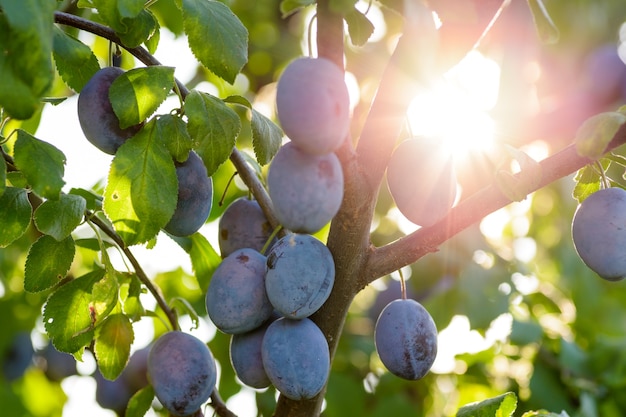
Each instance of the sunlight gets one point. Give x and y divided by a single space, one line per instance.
456 107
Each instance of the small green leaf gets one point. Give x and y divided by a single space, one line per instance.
140 402
104 294
47 262
142 188
112 346
546 29
216 36
266 137
184 307
43 165
67 315
15 212
75 61
588 181
596 132
137 93
93 201
544 413
213 127
360 28
131 303
501 406
204 259
133 31
289 7
59 218
174 131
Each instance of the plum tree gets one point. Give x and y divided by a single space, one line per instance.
306 190
182 372
243 225
195 197
246 357
295 357
300 275
236 300
313 105
599 232
99 123
406 339
422 181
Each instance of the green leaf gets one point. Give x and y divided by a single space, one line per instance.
26 32
104 294
204 259
140 402
289 7
360 28
3 176
174 130
216 37
75 61
142 188
544 413
15 211
130 8
588 181
93 201
131 303
133 31
67 314
183 307
266 137
47 262
546 29
59 218
213 127
43 165
112 346
137 93
596 132
501 406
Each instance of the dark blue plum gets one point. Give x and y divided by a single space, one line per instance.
422 181
182 372
246 357
599 233
195 197
95 113
313 104
57 365
605 76
406 339
296 358
300 275
18 356
236 299
306 190
113 395
243 225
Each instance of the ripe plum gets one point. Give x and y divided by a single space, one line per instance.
243 225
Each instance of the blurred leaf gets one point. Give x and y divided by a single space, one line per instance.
93 201
204 259
140 402
131 302
182 306
213 127
360 28
573 359
67 314
525 332
547 389
137 93
546 29
75 61
596 132
15 211
142 188
3 176
47 262
544 413
177 139
517 187
42 164
112 347
130 8
59 218
500 406
216 36
345 396
289 7
26 32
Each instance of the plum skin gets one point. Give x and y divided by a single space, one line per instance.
246 357
296 357
306 190
599 233
406 339
236 300
243 225
182 372
195 197
313 104
300 275
97 119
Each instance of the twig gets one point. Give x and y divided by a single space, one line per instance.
219 406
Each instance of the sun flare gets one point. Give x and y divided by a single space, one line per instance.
455 108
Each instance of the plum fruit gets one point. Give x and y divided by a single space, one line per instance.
56 365
406 339
17 356
313 104
300 275
195 197
95 113
243 225
236 299
422 181
246 357
296 357
182 372
306 189
599 233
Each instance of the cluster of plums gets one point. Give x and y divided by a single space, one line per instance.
101 127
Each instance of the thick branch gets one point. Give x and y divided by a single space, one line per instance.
412 247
